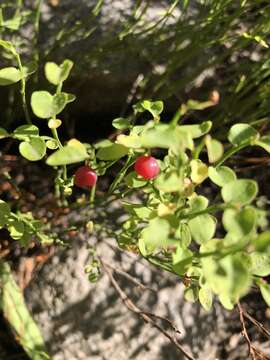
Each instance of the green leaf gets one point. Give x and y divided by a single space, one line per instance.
45 106
9 75
30 68
260 264
262 241
154 107
191 293
33 150
221 175
16 229
265 291
241 133
228 276
138 210
121 123
169 182
130 141
3 133
239 222
184 235
226 301
162 136
52 144
67 155
112 152
42 104
240 191
4 213
206 298
13 23
60 101
214 149
199 171
16 313
202 228
52 73
103 143
156 234
133 181
8 46
65 68
198 130
25 132
182 259
57 74
198 203
264 142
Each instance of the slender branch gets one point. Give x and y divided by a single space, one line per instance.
254 353
121 175
144 315
245 333
132 279
23 90
255 322
231 152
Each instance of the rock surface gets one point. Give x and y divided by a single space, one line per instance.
81 320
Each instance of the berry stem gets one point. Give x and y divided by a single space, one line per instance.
92 195
56 137
121 175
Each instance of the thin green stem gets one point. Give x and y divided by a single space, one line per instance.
56 137
23 91
55 133
36 36
177 116
121 175
231 152
210 209
92 195
198 149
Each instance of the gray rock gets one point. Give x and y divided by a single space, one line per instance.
82 320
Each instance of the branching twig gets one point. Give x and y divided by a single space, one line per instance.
255 353
148 318
245 333
130 278
255 322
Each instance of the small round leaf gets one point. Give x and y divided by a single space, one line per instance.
9 75
4 213
239 222
202 228
33 150
221 175
240 191
240 133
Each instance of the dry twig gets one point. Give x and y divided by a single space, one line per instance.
132 279
254 353
147 317
259 325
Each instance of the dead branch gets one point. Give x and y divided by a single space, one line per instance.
254 353
147 317
255 322
132 279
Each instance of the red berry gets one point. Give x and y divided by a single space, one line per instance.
85 177
147 167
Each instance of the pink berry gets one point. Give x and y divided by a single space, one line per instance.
85 177
147 167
